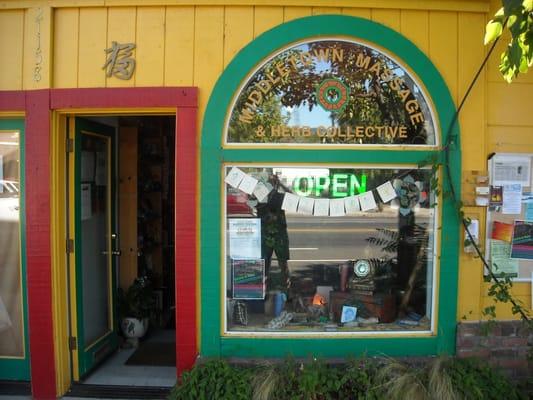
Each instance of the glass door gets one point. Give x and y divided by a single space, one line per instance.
95 239
14 349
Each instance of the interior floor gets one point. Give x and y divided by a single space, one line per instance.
116 371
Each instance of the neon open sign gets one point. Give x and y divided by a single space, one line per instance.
338 185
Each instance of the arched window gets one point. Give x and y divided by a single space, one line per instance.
317 219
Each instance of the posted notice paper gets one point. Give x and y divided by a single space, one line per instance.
508 169
386 192
367 201
351 204
234 177
244 238
305 205
248 184
512 199
336 208
321 208
290 202
500 258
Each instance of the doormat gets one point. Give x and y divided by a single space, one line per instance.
160 354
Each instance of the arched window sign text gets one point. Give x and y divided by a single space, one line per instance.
331 91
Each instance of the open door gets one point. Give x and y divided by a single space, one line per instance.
93 234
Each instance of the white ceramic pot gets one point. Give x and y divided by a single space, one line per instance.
134 328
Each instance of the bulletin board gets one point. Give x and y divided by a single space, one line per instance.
509 228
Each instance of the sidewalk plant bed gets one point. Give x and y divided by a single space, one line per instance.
365 378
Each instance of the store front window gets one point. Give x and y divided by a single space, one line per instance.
11 313
329 248
322 219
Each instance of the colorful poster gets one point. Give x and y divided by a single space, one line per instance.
522 243
248 279
500 260
496 196
244 238
502 231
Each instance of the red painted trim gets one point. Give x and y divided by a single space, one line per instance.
123 97
12 100
186 207
37 105
185 101
38 252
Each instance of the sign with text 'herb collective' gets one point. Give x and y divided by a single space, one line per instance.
331 91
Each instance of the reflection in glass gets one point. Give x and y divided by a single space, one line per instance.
11 315
322 257
95 217
331 92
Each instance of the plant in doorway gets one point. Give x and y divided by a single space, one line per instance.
136 308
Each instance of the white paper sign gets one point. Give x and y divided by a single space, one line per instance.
367 201
244 238
290 202
261 191
336 208
234 177
351 204
507 170
305 205
386 192
321 208
512 199
248 184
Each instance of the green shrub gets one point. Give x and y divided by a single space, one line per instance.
476 380
443 378
214 380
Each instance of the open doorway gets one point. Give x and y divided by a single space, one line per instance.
121 215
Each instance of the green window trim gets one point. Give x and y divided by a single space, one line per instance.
18 368
213 342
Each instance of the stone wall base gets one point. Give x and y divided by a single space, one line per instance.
504 344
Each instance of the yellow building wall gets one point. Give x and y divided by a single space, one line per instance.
179 44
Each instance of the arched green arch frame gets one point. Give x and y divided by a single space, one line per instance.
213 343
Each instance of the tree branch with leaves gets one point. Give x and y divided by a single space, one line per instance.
515 17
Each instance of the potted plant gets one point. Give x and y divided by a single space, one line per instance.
136 306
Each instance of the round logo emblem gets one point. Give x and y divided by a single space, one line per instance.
332 94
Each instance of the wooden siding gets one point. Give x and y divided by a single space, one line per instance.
189 45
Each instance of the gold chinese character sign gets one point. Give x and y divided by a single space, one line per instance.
119 62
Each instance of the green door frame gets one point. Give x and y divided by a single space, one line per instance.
18 368
213 342
89 356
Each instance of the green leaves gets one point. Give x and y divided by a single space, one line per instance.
516 16
493 30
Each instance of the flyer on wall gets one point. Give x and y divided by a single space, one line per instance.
522 242
248 279
244 238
